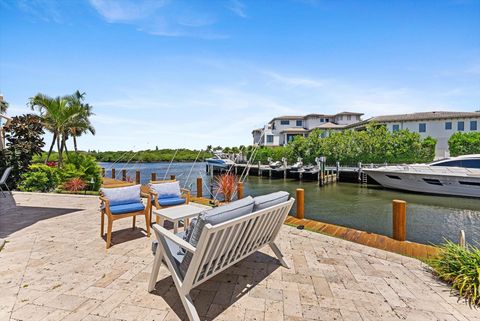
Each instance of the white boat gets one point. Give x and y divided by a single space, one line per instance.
220 160
458 176
274 164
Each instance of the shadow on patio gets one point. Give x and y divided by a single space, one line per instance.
15 218
216 295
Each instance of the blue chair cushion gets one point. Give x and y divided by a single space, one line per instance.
127 208
272 199
170 201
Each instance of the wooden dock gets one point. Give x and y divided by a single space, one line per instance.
417 250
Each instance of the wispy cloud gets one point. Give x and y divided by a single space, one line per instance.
237 7
295 81
162 17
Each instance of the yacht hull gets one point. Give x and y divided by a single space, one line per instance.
455 185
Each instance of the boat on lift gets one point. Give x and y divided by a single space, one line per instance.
274 164
456 176
220 160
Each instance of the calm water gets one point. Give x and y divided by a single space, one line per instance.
430 219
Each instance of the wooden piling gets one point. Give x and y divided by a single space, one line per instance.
300 203
461 239
399 211
199 187
103 171
173 177
113 173
240 190
153 176
124 174
137 177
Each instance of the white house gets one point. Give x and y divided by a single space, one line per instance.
437 124
281 130
4 120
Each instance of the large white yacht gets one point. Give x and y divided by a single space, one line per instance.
459 176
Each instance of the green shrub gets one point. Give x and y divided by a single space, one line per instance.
464 143
39 178
84 167
461 268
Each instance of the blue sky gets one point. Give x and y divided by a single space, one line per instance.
192 73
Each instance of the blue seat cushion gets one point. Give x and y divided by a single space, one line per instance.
170 201
127 208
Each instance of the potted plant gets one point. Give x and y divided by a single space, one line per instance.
226 185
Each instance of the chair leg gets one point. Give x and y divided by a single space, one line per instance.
156 267
1 190
189 307
109 233
133 225
8 189
102 223
147 220
278 254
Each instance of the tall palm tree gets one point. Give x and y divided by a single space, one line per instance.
81 124
62 116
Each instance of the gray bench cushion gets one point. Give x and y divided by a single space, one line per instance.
216 216
269 200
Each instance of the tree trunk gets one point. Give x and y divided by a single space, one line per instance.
51 147
60 150
75 143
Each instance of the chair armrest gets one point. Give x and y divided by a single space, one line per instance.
174 238
186 194
105 201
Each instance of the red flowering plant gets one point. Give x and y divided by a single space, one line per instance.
75 184
226 185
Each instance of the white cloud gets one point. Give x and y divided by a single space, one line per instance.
237 7
295 81
125 10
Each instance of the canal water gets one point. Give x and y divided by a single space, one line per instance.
430 219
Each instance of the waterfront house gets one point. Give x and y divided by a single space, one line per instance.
440 125
4 120
281 130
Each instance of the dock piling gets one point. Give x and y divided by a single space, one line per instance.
103 171
124 174
113 173
153 176
240 190
173 177
461 240
300 203
399 209
137 177
199 187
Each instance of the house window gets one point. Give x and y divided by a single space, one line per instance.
341 117
299 123
284 122
327 120
349 117
396 127
422 127
269 138
461 126
473 125
322 120
448 125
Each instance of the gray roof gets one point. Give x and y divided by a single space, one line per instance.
425 116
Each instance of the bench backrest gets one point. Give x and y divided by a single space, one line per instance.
223 245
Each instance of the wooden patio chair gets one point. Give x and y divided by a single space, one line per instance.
167 193
3 180
218 241
122 202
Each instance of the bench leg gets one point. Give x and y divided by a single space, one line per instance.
189 307
109 233
278 254
102 223
156 267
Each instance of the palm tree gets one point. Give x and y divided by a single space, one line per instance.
63 117
81 124
3 105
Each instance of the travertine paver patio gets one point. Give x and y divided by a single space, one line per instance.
55 267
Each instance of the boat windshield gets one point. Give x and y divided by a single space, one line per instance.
466 163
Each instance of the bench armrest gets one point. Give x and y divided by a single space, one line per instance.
174 238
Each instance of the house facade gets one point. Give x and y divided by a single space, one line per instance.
281 130
440 125
4 120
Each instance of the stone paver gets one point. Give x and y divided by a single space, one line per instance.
55 267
